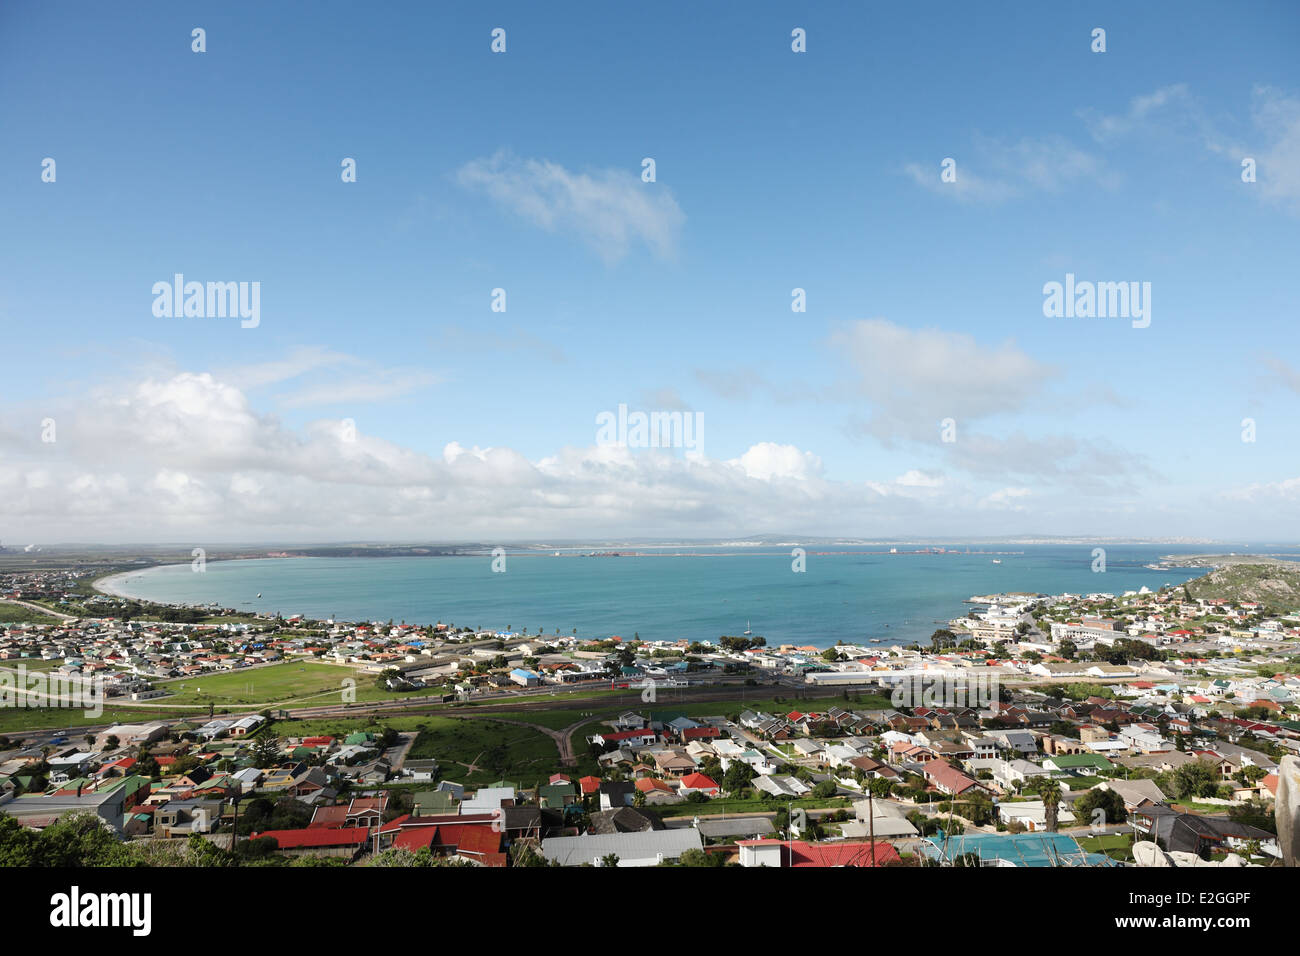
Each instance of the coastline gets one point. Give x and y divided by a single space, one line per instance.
880 620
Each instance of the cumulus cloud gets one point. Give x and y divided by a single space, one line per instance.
767 461
915 378
191 458
609 209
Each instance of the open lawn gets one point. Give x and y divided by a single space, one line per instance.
17 614
1117 846
31 664
17 719
304 682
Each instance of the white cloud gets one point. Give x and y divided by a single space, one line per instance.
913 379
1270 134
994 171
768 461
609 209
1005 498
1105 127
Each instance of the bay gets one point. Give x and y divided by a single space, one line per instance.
846 593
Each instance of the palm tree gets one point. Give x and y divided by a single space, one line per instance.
1051 794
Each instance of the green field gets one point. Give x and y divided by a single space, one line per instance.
496 750
17 614
306 682
32 664
1117 846
17 719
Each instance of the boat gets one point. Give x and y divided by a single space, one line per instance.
259 593
747 630
997 560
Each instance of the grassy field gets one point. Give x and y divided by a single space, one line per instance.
15 720
17 614
32 664
310 682
495 750
1117 846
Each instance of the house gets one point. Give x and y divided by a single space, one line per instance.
1082 763
616 793
1201 835
674 762
625 820
1136 793
881 818
656 791
487 799
323 841
1032 814
643 737
474 838
948 779
796 853
420 769
649 848
186 816
781 785
698 783
525 678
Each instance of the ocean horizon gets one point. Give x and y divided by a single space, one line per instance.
853 594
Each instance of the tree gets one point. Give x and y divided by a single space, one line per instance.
942 638
1051 794
1195 779
609 859
266 752
825 789
1110 803
738 776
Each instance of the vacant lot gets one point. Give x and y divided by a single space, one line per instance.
493 750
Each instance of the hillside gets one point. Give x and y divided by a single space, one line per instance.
1275 585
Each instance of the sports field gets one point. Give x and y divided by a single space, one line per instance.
303 683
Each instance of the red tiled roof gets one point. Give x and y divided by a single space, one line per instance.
317 837
627 734
697 733
697 781
832 854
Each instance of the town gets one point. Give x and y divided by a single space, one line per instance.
1098 730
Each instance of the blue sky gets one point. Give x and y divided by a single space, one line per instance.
775 170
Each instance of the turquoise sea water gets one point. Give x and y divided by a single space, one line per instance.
698 593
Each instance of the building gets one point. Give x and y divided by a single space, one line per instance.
649 848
